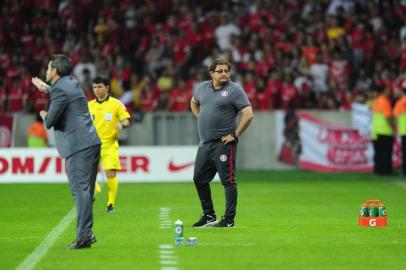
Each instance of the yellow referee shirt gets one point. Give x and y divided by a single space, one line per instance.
106 115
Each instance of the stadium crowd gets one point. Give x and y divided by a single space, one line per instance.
319 54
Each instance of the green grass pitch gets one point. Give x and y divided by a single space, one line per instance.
285 220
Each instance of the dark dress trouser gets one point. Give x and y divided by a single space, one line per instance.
81 169
375 158
384 149
215 157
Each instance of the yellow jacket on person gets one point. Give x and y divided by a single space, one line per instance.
106 115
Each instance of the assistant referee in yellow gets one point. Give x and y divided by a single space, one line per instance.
110 116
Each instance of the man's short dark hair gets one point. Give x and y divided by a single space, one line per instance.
101 79
62 64
220 61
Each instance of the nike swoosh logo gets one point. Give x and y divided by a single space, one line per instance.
172 167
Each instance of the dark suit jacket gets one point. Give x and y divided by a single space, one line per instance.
69 115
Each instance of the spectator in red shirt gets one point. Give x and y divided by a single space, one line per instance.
310 50
17 97
263 97
357 44
179 97
339 71
289 93
149 98
274 87
250 87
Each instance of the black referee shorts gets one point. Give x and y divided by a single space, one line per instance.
215 157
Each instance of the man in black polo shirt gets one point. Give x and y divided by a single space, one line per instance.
216 105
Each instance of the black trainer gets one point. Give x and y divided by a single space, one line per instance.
224 223
206 221
85 243
110 208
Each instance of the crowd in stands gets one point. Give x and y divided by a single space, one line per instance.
317 54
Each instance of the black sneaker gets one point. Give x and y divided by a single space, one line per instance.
206 221
224 223
85 243
110 208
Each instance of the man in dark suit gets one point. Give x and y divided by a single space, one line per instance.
76 140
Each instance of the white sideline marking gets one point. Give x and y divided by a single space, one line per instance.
49 240
167 258
166 247
227 245
169 252
400 183
169 262
20 238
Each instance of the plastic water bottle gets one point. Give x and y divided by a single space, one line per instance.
178 233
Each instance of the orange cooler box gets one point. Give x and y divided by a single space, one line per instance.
373 214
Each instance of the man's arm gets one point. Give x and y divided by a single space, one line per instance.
56 108
122 124
123 116
195 107
246 117
41 85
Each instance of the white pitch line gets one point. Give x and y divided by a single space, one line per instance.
227 245
167 258
169 262
20 238
400 183
168 252
49 240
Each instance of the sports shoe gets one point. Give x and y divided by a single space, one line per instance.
224 223
110 208
205 221
85 243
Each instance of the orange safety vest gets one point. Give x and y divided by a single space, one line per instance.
381 111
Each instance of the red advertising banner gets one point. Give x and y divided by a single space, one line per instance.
317 145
